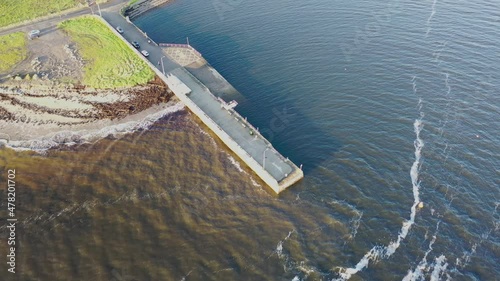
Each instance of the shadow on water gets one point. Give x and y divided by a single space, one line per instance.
279 119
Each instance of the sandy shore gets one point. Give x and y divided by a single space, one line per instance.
40 116
33 136
43 102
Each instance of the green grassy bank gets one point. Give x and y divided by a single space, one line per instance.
14 11
12 50
110 63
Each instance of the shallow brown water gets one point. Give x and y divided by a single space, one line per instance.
159 204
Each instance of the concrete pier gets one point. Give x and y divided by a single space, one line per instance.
239 135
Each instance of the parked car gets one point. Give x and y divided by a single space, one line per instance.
34 34
119 29
145 53
135 44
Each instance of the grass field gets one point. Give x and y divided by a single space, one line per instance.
132 2
12 50
14 11
110 63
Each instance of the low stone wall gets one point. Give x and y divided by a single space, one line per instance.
143 6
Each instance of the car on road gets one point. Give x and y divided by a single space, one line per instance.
34 34
145 53
119 29
135 44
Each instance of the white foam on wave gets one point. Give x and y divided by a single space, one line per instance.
355 221
185 276
254 183
279 246
44 217
437 54
462 262
433 12
231 158
70 138
465 260
235 163
378 252
496 221
414 85
447 84
87 206
440 266
238 167
212 141
446 110
467 255
291 265
423 266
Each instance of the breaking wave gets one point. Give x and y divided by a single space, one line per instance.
70 138
378 252
423 265
433 12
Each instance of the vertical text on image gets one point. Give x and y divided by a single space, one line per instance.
11 220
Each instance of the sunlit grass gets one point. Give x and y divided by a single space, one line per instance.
14 11
12 50
110 63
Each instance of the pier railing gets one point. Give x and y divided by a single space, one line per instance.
296 173
223 135
241 120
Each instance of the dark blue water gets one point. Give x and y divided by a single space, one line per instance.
368 89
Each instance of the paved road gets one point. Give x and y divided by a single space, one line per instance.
131 33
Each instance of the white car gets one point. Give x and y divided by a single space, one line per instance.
145 53
119 29
34 34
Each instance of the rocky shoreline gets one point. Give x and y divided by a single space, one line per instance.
71 105
30 111
43 94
